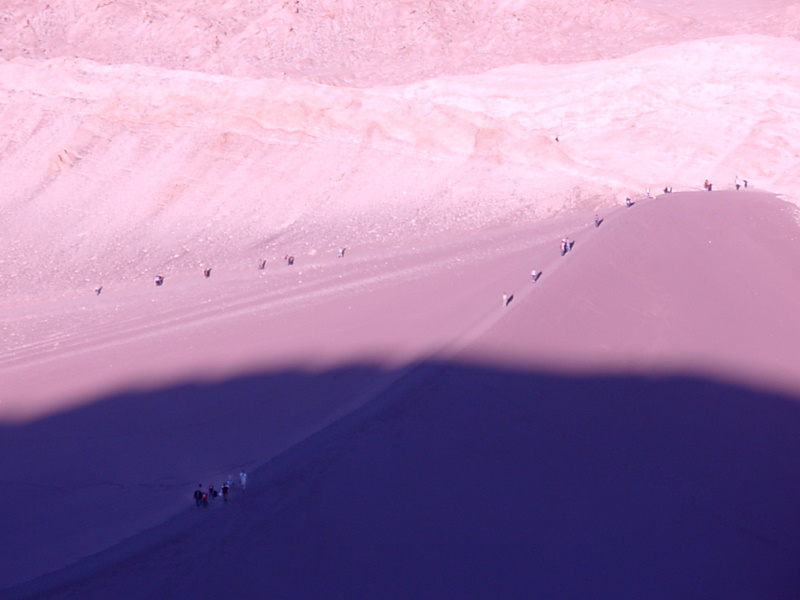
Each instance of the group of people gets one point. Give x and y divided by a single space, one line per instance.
566 246
288 259
202 497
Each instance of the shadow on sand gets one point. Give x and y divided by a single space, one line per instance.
465 481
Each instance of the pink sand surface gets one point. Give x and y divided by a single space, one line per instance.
626 426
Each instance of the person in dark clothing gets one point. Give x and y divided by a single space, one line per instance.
198 495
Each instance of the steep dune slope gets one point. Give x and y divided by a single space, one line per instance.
463 475
625 426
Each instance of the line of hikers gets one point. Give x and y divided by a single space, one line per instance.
288 259
203 497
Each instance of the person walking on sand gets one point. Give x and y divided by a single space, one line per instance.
628 202
243 479
158 280
225 489
534 275
341 252
597 220
198 495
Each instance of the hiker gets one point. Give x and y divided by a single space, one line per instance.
159 279
207 273
243 479
198 495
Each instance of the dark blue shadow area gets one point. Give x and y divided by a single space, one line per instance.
465 481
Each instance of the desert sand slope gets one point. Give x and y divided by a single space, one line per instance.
113 171
624 427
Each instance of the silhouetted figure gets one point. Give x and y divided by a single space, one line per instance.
225 489
628 202
505 299
207 273
159 280
98 289
212 492
289 259
341 252
534 275
597 221
243 478
556 138
262 264
668 190
744 181
198 495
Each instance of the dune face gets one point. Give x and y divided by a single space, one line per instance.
420 418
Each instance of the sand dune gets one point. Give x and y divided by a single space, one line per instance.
638 325
623 427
